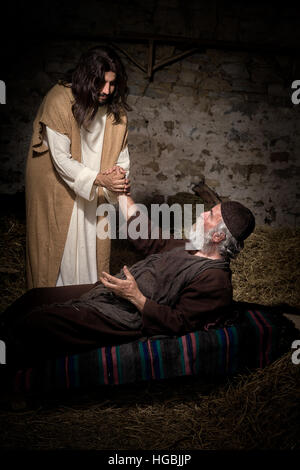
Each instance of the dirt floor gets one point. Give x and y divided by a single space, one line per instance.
259 410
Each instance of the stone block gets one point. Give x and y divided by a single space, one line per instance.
136 90
247 86
280 101
247 170
183 90
214 84
169 126
161 177
238 136
156 93
191 62
287 173
187 77
265 75
165 76
212 183
235 70
279 156
276 89
189 167
256 97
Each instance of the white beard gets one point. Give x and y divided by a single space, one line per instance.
195 236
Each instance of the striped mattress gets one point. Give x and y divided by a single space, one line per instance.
256 339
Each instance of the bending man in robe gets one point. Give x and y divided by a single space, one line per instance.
80 130
172 291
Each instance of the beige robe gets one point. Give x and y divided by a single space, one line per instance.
49 200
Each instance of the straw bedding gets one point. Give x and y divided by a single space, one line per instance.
252 411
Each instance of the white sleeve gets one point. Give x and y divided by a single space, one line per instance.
124 162
77 176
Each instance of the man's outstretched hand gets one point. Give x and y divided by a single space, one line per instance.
125 288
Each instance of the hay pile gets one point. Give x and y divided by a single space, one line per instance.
255 411
267 271
12 259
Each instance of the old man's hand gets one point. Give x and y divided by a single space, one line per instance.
125 288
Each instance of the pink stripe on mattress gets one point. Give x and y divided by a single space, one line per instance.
115 364
267 354
227 348
104 362
260 338
151 359
186 357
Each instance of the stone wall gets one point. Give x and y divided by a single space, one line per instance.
226 118
219 116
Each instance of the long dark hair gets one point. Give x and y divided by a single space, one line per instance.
87 79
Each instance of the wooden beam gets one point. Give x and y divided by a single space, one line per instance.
151 65
173 58
261 48
150 58
130 57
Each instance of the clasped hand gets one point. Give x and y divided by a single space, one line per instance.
114 180
125 288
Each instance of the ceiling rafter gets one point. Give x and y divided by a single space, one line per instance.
190 46
152 66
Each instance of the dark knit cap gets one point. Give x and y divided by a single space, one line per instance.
238 219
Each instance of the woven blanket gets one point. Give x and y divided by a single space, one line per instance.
256 339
